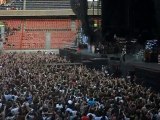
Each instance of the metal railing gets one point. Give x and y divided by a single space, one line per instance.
36 5
46 5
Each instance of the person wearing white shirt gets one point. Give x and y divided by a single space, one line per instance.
59 106
8 97
15 111
97 118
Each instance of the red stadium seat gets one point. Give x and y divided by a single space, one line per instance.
31 33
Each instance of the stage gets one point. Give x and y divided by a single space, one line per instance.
147 73
146 66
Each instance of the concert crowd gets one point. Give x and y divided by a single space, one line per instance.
43 86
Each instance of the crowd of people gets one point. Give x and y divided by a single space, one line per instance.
40 86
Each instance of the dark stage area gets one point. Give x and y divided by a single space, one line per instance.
147 74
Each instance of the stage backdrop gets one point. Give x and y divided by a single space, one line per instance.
125 17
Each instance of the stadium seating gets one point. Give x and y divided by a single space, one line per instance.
62 38
31 33
13 23
48 24
33 40
42 4
13 41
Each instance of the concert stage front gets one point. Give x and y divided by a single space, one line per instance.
84 56
146 73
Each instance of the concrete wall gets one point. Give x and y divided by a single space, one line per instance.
33 13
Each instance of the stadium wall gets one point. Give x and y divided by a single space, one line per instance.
33 13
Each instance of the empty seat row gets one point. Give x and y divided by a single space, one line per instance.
12 46
13 23
25 38
47 24
57 45
33 45
42 4
63 34
32 36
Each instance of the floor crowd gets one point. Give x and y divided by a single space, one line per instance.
31 89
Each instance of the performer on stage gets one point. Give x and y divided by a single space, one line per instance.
124 54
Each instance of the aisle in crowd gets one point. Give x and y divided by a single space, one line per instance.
30 90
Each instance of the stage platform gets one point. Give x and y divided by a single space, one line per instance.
146 66
148 73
